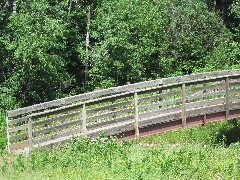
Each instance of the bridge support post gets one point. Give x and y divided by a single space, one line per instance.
227 98
84 117
30 142
136 115
8 136
183 105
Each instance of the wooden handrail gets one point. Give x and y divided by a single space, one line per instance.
125 108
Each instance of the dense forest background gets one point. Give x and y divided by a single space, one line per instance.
56 48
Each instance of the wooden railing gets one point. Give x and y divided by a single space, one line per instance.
129 108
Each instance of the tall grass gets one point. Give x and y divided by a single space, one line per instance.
203 152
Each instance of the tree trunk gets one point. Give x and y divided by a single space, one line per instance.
87 48
14 6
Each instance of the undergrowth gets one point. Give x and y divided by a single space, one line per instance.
203 152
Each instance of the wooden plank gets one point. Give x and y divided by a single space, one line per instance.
184 105
159 119
30 144
198 96
205 110
136 115
56 127
152 105
57 135
18 120
160 111
206 87
234 99
56 119
207 102
168 94
86 96
11 130
84 116
113 113
104 123
19 145
56 111
19 136
234 106
234 91
234 84
109 107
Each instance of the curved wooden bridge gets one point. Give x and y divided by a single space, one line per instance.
127 111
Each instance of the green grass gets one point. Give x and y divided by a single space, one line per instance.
226 132
203 152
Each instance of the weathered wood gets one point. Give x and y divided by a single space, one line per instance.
19 145
205 110
57 127
84 116
205 87
131 87
234 84
109 107
56 119
234 91
227 99
56 111
208 102
57 135
110 114
30 134
167 110
19 136
136 115
234 99
184 105
159 119
152 105
11 130
110 122
163 95
184 111
18 120
8 135
234 106
205 95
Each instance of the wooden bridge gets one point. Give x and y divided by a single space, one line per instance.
127 111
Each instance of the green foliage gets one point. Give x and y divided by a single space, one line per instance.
107 159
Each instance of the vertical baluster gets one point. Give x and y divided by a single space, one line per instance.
8 135
136 115
227 98
183 105
84 117
30 141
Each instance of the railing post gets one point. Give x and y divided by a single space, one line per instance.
183 105
136 115
84 117
227 98
30 142
8 135
160 98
